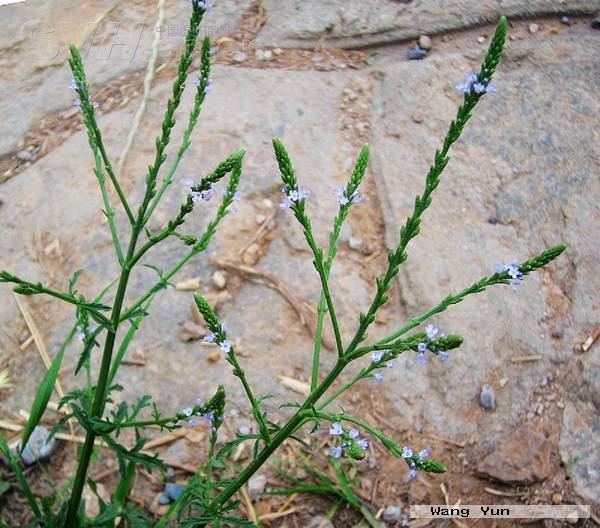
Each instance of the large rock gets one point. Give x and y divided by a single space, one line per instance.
522 178
355 23
579 441
115 39
521 457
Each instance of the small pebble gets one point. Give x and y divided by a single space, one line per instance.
355 242
25 155
596 23
416 54
163 499
319 521
251 255
219 280
534 28
244 430
278 51
392 513
240 56
173 491
487 398
263 55
481 39
417 117
38 446
556 498
425 42
256 485
566 20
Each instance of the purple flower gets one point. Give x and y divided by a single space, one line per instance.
390 364
192 423
292 195
224 328
336 451
225 346
407 452
363 443
443 356
188 182
432 332
422 347
412 474
423 454
344 199
80 335
336 429
472 83
286 203
514 272
378 376
377 355
199 402
202 4
210 338
188 411
353 433
421 359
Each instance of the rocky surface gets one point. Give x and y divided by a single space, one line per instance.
521 457
523 177
355 23
114 36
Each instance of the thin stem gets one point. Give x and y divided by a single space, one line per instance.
287 430
108 211
239 372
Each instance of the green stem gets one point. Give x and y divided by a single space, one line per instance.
287 430
239 372
100 391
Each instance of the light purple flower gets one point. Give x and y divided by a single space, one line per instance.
422 347
353 433
363 443
336 429
224 328
286 203
192 423
378 376
443 356
390 364
344 199
412 473
225 346
188 182
377 355
432 332
210 338
407 452
472 83
421 359
336 451
514 272
188 411
80 335
423 454
202 4
199 402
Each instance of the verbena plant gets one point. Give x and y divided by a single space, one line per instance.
208 498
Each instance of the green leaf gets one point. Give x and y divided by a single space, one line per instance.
44 391
5 450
